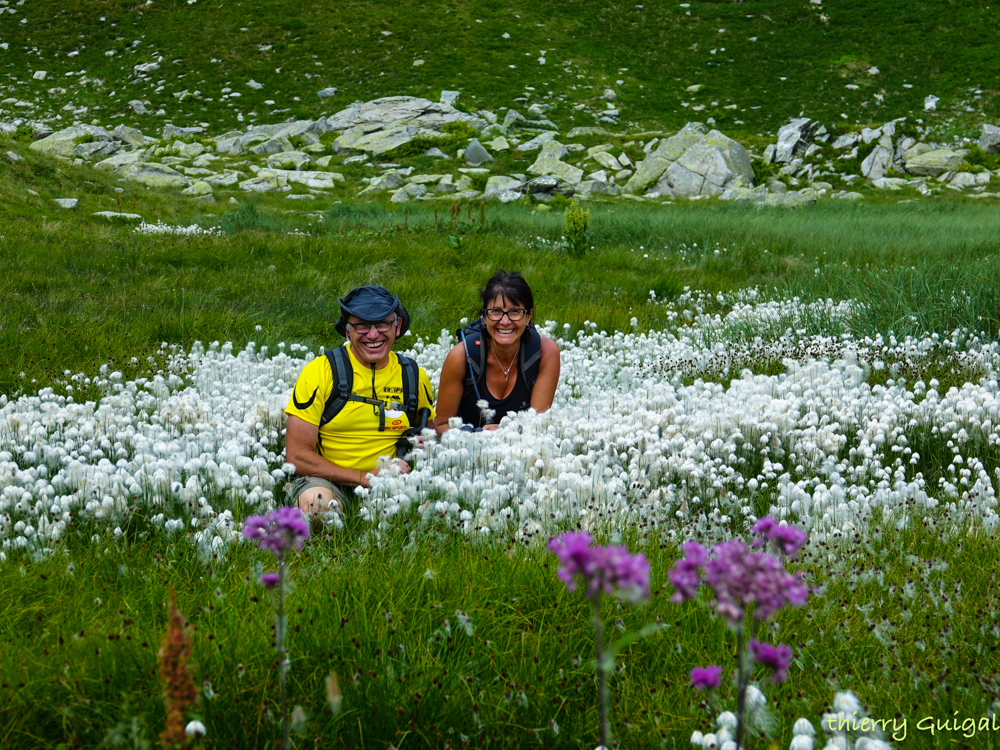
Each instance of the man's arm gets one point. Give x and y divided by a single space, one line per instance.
300 449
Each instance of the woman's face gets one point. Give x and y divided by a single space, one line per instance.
505 331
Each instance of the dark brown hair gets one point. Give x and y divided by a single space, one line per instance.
509 285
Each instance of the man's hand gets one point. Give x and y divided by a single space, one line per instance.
404 468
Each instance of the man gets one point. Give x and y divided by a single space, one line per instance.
351 406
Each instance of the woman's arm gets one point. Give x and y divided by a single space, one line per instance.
548 376
450 388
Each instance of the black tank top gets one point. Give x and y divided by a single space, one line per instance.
518 400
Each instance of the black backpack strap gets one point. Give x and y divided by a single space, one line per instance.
343 383
411 385
531 356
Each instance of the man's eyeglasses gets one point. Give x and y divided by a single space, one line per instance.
514 314
382 326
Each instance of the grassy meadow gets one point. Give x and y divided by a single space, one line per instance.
905 619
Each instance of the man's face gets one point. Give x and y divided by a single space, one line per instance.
369 344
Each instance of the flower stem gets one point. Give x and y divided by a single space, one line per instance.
602 674
742 678
279 627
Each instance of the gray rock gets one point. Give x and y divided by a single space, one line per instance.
880 160
197 172
130 137
326 93
501 184
606 160
669 150
544 184
294 159
537 142
388 181
508 196
475 154
933 163
436 153
391 137
420 113
190 150
549 163
623 175
792 138
273 146
138 107
121 159
989 141
97 148
512 119
226 179
265 181
889 183
596 187
64 142
67 202
578 132
848 140
154 175
487 115
198 188
172 131
400 196
499 144
602 147
13 158
446 185
609 95
450 97
316 180
843 195
116 216
708 167
969 179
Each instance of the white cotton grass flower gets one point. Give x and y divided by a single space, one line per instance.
696 738
801 742
846 702
727 720
709 742
195 729
803 726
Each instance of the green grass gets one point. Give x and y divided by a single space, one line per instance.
801 60
80 291
83 628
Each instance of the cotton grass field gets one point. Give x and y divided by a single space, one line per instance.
835 368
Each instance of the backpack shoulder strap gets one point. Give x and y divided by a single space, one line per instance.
411 387
343 383
475 353
531 356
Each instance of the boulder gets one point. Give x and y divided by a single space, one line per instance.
499 144
708 167
129 137
475 154
326 93
392 137
969 179
934 162
501 184
273 146
989 141
198 188
64 142
537 142
154 175
792 138
420 113
67 202
317 180
878 162
96 148
549 163
121 159
293 159
388 181
917 149
265 181
172 131
669 150
606 160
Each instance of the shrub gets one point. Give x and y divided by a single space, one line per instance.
577 220
479 181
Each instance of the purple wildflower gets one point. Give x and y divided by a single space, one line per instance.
685 575
278 531
788 540
269 580
706 677
602 569
776 658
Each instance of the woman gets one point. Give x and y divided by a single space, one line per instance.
501 360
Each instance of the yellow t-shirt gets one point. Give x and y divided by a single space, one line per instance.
352 439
